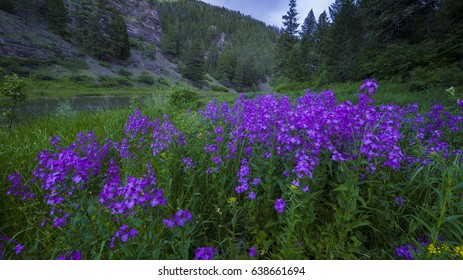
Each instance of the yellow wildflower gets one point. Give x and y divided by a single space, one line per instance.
232 200
293 187
433 250
458 250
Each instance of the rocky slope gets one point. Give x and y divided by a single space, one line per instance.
31 38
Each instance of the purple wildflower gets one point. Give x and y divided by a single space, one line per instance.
188 162
205 253
280 205
252 195
178 219
70 255
252 252
399 200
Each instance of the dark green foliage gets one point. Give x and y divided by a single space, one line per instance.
7 6
101 30
124 72
119 37
195 67
115 82
419 42
184 98
57 16
83 79
12 91
146 78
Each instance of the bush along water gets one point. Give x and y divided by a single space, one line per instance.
266 178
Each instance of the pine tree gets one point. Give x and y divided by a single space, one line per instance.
227 66
344 40
82 14
195 66
119 37
290 23
287 41
308 58
57 16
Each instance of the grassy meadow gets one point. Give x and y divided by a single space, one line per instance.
339 173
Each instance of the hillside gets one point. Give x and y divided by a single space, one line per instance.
107 38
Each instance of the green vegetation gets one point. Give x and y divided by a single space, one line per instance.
12 91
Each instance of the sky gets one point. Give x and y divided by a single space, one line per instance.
271 11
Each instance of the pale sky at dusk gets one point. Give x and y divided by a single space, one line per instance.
271 11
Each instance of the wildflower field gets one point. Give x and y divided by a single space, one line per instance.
263 178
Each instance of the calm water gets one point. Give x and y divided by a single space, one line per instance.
36 107
85 103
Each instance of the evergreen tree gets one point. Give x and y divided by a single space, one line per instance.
82 14
290 23
227 66
57 16
287 41
119 37
309 27
344 40
170 43
308 58
195 67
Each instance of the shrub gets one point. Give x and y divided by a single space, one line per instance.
107 81
220 88
424 78
83 79
146 78
184 98
13 89
124 72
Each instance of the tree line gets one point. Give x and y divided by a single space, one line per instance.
417 41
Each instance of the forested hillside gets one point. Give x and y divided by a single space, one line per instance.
414 41
234 48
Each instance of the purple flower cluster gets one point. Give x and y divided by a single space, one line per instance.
70 255
188 162
122 235
142 132
370 85
316 123
406 251
62 173
18 188
280 205
6 241
178 219
59 218
121 198
399 200
243 177
205 253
